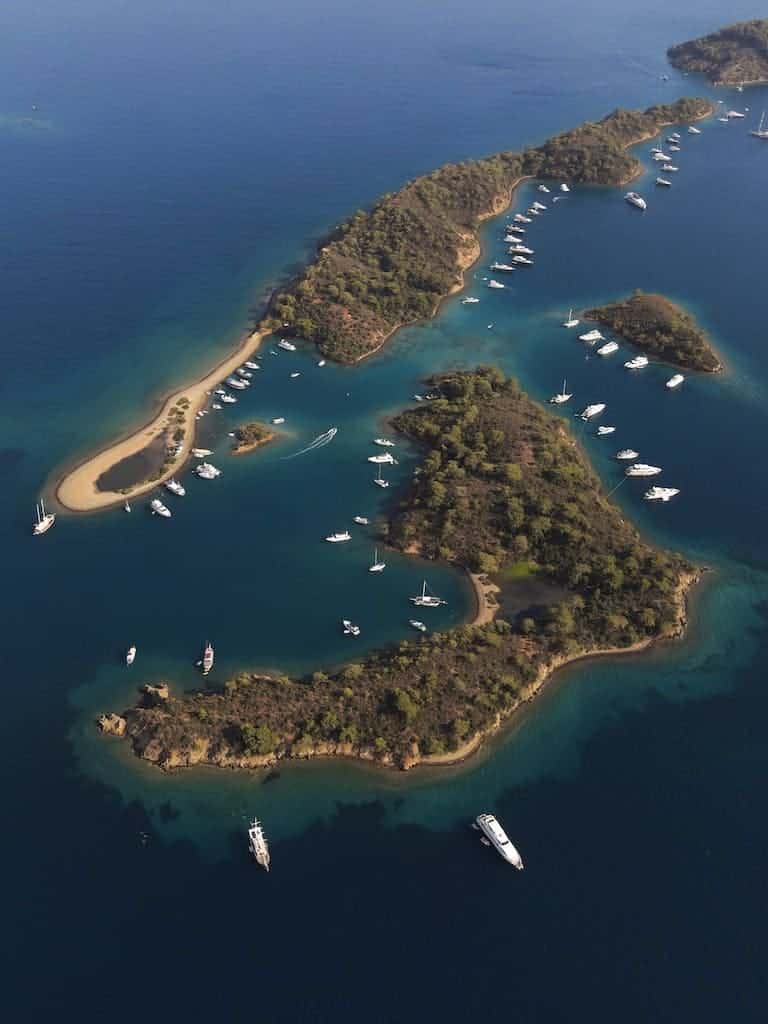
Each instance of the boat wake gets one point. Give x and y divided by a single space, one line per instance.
319 442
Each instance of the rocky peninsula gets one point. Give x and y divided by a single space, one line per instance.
501 486
661 329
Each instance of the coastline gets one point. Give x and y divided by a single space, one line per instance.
75 490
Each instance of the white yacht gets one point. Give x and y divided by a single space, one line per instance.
522 261
360 520
693 131
350 629
571 321
379 479
495 284
674 137
243 373
636 363
130 655
605 431
339 538
519 218
761 132
627 454
674 149
592 410
561 397
635 199
295 374
533 212
228 399
505 268
43 520
512 239
215 405
386 459
520 249
127 506
251 365
495 836
735 114
175 487
286 346
674 381
723 120
278 420
417 625
321 362
608 348
591 337
564 188
207 471
469 301
237 384
200 453
642 469
539 206
376 565
425 600
669 168
661 493
159 509
384 442
543 188
664 181
257 844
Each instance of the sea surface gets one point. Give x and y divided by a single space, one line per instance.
182 159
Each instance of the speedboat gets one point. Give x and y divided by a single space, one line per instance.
543 188
175 487
674 381
604 431
425 600
321 362
43 520
735 114
386 459
642 469
350 629
561 397
295 374
635 199
278 420
591 337
417 625
519 248
159 509
495 284
608 348
571 321
339 538
286 346
206 471
200 453
661 493
360 520
663 181
505 267
376 565
495 836
384 442
592 410
637 363
130 655
469 301
626 454
379 479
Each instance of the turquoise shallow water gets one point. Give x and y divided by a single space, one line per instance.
187 160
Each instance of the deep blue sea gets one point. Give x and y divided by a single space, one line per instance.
182 159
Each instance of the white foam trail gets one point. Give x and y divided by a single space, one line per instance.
319 442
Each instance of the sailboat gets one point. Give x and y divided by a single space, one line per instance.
43 520
377 566
379 479
571 321
425 600
561 397
761 132
207 660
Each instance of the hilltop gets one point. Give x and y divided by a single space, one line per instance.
735 55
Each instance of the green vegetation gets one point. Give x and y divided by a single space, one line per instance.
661 329
250 436
735 55
502 484
392 265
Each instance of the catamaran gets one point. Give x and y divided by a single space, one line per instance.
425 600
130 655
592 410
561 397
339 538
591 337
571 321
761 132
627 453
349 628
634 199
287 346
608 348
175 487
642 469
257 844
376 565
661 493
159 509
207 661
637 363
495 836
379 479
674 381
43 520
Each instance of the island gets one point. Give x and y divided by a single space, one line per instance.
736 55
379 271
503 490
250 436
660 328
